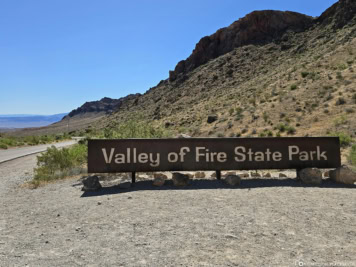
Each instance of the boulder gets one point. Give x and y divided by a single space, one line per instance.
229 173
183 136
267 175
91 183
213 175
282 175
200 175
159 181
255 174
190 175
180 179
233 180
327 174
310 176
343 175
212 118
244 175
160 175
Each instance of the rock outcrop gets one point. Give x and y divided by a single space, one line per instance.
339 14
259 27
106 105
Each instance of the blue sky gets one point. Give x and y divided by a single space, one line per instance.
57 54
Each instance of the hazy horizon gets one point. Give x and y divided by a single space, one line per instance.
57 55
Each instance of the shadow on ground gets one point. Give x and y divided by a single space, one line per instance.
197 184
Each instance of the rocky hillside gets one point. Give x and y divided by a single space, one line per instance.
270 73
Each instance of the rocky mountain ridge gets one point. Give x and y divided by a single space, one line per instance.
270 73
257 28
106 105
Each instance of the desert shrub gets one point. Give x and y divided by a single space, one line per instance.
345 139
266 133
339 76
3 146
286 128
342 67
304 74
57 163
134 129
340 101
8 141
340 120
265 116
293 87
291 130
32 140
281 127
231 111
352 155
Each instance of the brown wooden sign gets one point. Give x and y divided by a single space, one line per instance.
215 154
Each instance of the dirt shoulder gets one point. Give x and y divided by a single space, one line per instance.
273 222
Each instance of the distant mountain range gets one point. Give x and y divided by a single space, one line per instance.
25 121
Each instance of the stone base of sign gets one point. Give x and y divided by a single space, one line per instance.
180 179
310 176
200 175
159 181
244 175
233 180
255 174
326 174
160 175
343 175
91 183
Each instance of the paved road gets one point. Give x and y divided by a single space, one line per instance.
14 153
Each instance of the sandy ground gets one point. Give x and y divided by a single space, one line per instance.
265 222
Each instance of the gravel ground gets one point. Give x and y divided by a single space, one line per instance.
265 222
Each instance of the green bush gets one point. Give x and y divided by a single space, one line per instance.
134 129
291 130
286 128
305 74
345 139
3 146
293 87
57 163
352 156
